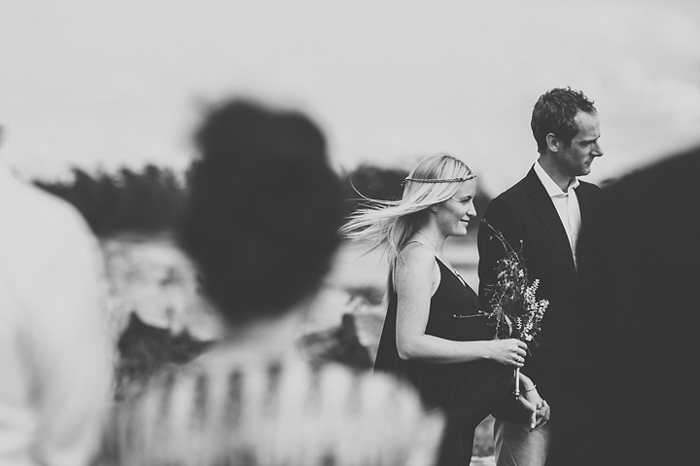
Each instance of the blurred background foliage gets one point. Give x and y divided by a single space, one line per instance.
146 201
151 201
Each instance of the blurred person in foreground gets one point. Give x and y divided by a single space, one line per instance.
55 364
540 217
262 227
434 334
637 340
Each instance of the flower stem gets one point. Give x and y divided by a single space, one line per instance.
516 392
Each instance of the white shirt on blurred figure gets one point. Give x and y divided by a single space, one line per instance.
55 370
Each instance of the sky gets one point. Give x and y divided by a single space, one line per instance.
103 84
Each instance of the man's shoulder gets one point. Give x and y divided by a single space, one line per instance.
514 191
513 196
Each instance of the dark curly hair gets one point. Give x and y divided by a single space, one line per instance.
264 212
554 113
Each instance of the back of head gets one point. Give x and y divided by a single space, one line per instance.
555 112
264 209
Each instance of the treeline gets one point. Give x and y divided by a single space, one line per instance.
146 201
153 199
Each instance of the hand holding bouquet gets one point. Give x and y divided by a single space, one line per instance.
514 305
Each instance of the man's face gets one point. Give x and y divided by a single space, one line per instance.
576 159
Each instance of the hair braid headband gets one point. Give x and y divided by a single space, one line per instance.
469 176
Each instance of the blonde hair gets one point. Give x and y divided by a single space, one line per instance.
392 223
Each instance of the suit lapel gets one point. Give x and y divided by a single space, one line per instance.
545 210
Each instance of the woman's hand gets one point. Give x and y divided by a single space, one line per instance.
537 408
510 352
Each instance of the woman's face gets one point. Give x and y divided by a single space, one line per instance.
454 214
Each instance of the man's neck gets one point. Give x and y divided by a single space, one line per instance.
551 169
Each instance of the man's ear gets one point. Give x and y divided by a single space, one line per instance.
553 143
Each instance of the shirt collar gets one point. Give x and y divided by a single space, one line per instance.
549 185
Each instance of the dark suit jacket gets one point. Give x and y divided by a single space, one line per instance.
529 221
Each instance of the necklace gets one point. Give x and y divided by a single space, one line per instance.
431 243
447 264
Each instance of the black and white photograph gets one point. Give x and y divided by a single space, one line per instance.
334 233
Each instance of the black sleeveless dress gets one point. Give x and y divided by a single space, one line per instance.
466 392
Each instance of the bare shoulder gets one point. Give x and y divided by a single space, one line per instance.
417 261
416 254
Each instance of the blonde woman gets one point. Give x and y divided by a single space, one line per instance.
434 334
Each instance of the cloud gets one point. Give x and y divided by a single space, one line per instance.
387 80
669 101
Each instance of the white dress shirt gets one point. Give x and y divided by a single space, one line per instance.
566 204
55 367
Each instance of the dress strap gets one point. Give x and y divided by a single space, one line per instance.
452 271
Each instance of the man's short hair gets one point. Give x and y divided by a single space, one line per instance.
555 112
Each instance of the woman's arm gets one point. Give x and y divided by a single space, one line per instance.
417 277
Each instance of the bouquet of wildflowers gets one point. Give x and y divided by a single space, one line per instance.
514 307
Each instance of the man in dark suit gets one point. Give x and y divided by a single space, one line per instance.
540 217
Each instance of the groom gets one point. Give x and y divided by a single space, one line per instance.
540 216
